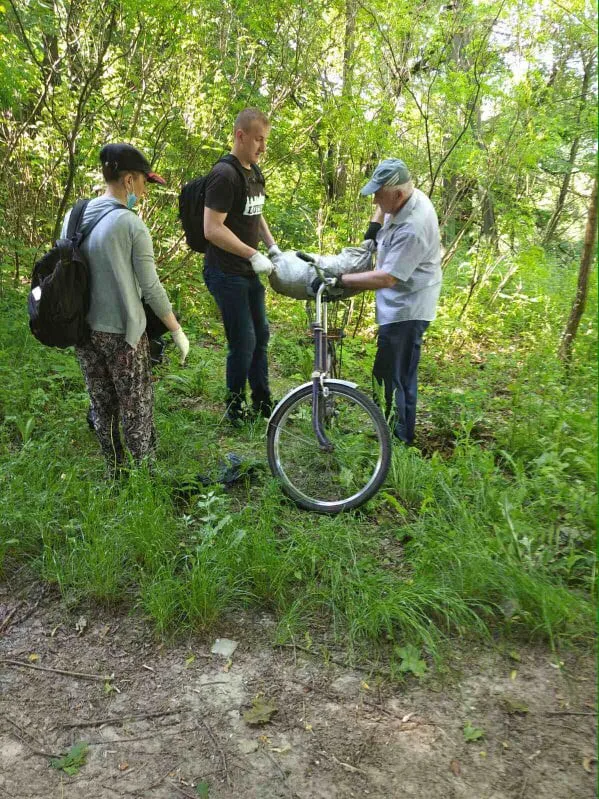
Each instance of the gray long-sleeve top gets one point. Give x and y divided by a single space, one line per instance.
121 261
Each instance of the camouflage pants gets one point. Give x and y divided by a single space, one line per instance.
119 382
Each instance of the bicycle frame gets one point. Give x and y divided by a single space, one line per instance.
319 375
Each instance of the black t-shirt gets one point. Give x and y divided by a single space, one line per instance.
227 193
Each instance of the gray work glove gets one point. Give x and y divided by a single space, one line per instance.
182 343
261 264
273 250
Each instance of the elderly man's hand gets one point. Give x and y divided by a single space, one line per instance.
334 289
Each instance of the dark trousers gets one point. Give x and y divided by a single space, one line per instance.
241 303
396 369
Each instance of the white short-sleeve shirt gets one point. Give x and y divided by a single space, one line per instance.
409 248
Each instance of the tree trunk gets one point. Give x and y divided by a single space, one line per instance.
561 200
586 263
338 166
90 84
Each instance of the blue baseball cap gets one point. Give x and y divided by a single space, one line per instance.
390 172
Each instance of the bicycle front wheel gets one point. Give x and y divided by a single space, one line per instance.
346 477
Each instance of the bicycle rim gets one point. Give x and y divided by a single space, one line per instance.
329 482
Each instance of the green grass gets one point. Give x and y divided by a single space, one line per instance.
490 532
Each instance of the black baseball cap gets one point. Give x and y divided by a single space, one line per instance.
124 157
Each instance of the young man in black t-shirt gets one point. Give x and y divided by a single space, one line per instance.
233 226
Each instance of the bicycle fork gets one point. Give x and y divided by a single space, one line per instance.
320 391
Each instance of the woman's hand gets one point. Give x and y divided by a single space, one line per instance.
181 342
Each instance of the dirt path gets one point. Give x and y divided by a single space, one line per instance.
170 722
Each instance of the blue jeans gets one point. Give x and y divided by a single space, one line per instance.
396 368
241 303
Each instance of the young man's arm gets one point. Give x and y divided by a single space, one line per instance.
218 233
265 233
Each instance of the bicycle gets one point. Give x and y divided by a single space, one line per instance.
340 314
327 443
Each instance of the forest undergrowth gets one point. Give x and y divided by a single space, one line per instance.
485 530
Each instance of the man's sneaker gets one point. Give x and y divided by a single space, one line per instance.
399 435
263 407
236 410
235 417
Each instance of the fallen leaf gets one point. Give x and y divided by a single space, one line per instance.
203 789
515 656
261 711
308 727
81 625
364 686
514 706
587 764
455 768
472 733
281 750
189 660
123 766
407 717
513 674
33 657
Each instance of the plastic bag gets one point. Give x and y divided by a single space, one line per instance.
293 276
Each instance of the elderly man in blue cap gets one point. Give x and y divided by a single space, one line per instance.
407 281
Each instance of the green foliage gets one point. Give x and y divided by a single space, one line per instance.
72 762
493 531
472 733
410 660
484 101
490 528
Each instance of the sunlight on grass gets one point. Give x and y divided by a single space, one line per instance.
489 532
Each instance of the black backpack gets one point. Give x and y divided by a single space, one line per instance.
191 204
58 302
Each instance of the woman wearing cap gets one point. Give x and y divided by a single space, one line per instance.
116 360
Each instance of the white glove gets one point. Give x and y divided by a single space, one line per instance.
273 250
261 264
181 342
368 244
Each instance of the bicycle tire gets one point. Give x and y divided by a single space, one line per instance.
358 466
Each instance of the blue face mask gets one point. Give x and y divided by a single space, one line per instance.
131 199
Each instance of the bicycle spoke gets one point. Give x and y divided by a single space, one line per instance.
338 475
